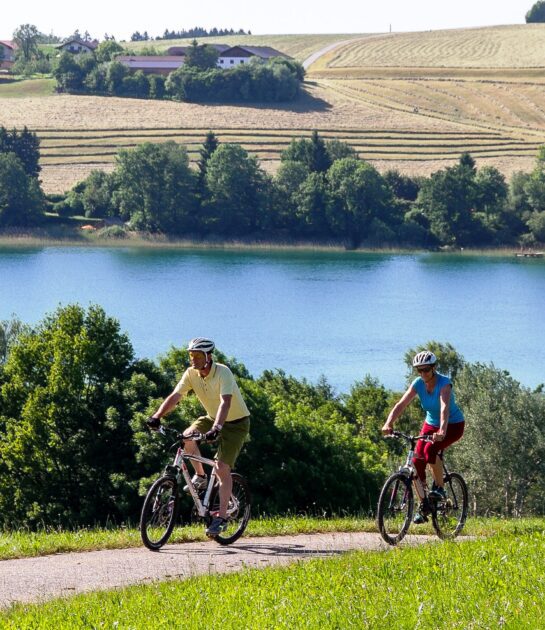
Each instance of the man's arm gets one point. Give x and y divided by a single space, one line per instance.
223 410
168 404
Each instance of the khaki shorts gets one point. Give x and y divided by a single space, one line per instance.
231 439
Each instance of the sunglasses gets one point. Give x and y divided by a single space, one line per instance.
424 370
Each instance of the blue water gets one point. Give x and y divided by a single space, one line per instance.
342 314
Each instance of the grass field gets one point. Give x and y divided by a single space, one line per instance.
496 582
410 101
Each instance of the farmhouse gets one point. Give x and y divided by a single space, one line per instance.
243 54
7 54
229 56
77 46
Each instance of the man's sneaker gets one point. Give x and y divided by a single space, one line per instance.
438 493
199 482
217 526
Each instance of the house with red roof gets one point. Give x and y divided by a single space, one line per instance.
7 54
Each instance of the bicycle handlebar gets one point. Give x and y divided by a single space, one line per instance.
195 436
409 438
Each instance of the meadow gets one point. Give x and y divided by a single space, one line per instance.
409 101
489 582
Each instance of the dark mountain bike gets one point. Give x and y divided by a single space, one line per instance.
162 503
396 501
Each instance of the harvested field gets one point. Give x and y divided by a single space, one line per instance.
517 46
416 117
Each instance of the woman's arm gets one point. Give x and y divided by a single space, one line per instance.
444 396
398 409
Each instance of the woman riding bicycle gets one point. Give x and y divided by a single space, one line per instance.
444 422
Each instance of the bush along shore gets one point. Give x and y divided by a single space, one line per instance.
322 194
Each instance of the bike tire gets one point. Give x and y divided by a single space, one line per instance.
395 508
449 517
159 512
238 511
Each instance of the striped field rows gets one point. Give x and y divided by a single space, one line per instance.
87 146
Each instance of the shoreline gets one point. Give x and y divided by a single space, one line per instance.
33 239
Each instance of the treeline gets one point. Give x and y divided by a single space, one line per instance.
198 80
322 192
198 31
74 450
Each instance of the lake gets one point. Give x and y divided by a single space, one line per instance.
340 314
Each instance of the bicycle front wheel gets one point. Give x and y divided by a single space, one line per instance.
159 512
450 514
238 510
395 508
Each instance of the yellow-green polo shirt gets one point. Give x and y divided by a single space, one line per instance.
209 390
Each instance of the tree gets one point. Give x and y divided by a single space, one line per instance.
21 200
237 191
69 72
536 13
70 388
359 196
312 152
27 37
156 187
201 56
502 453
26 146
107 50
491 190
447 199
97 197
209 145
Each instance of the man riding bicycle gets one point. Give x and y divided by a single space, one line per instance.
227 419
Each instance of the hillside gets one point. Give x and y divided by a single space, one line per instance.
411 101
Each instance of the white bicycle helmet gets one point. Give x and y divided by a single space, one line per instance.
424 358
201 344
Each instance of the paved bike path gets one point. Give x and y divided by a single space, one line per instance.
39 579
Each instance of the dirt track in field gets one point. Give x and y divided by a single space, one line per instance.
62 575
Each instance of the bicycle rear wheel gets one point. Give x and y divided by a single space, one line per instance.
450 514
238 510
395 508
159 512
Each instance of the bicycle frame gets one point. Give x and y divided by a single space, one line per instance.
180 463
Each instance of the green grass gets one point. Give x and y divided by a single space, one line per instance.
24 88
25 544
486 583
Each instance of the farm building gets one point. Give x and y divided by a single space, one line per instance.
243 54
77 46
229 56
7 54
152 64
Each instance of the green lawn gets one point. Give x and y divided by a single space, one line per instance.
495 582
21 88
